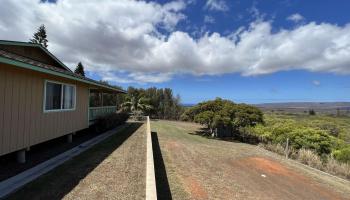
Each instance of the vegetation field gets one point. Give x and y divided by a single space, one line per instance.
197 167
336 126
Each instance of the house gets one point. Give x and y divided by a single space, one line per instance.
42 99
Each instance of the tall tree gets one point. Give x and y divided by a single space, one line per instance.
40 36
164 105
80 69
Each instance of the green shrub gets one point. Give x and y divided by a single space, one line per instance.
309 138
277 131
110 121
342 155
330 127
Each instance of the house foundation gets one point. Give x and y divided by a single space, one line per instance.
21 156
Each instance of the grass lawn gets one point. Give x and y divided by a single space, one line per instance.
113 169
190 166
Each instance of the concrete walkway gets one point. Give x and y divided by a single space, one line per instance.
14 183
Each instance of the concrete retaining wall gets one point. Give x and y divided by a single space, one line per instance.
151 191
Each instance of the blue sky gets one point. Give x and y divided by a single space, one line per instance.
244 50
290 86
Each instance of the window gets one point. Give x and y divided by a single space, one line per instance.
59 96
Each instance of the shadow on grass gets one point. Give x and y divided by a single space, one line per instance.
162 183
204 132
60 181
235 138
41 152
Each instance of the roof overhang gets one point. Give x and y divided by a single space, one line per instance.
28 44
58 74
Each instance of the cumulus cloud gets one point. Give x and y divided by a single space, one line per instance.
217 5
137 41
295 18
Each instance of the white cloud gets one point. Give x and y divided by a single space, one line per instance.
295 18
136 77
124 41
316 82
209 19
217 5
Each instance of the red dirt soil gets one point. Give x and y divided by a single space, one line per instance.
195 189
279 182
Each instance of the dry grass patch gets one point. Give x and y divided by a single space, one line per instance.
113 169
310 158
340 169
202 168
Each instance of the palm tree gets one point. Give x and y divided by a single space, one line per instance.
137 105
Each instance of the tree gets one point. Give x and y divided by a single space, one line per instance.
246 115
40 37
80 69
137 105
312 112
205 118
165 105
224 115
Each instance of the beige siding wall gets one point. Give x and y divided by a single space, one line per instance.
22 120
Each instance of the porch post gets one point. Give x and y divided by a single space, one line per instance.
70 138
101 99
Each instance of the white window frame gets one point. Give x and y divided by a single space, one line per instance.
61 109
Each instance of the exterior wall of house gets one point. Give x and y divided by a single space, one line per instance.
23 122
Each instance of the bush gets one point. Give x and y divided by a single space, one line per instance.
278 130
277 148
110 121
331 128
342 155
312 112
310 158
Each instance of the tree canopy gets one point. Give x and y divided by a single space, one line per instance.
164 104
221 113
40 37
80 69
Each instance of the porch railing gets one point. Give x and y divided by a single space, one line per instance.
96 112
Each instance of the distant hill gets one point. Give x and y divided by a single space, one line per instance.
188 104
328 107
305 105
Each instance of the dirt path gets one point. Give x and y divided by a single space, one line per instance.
113 169
201 168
